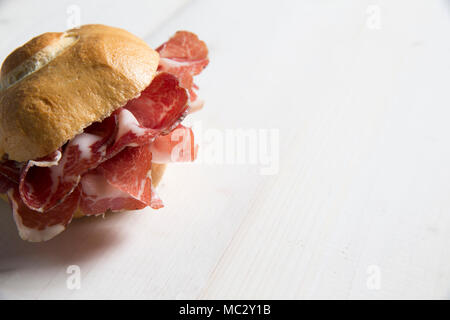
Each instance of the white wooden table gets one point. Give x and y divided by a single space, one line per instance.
358 203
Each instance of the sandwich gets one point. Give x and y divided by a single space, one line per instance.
89 119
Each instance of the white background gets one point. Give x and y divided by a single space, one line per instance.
359 207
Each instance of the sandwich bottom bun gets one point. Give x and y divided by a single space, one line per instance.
157 174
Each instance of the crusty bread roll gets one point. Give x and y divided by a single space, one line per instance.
45 101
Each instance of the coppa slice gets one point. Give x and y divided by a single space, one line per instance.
35 226
185 56
162 105
45 183
98 196
42 187
130 172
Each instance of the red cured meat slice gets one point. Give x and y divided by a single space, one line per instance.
184 45
184 70
185 56
41 188
178 146
130 133
130 172
35 226
98 196
159 108
162 105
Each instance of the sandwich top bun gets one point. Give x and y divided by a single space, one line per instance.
57 84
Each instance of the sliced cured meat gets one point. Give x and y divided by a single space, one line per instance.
35 226
185 56
162 105
159 108
178 146
130 133
184 70
41 177
98 196
44 184
184 45
130 172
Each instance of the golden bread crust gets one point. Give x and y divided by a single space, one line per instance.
92 70
26 51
